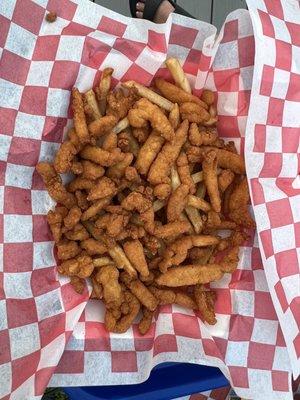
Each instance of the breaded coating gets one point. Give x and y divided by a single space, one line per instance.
72 218
198 203
190 275
119 102
80 183
177 95
177 251
225 179
104 187
146 321
101 126
100 156
104 88
238 205
208 97
91 171
79 117
67 249
148 152
203 136
118 170
194 113
121 324
81 266
161 167
77 233
54 185
144 111
97 292
64 157
177 202
78 284
55 220
113 224
92 105
162 191
141 134
174 116
135 253
136 201
184 300
141 292
205 303
93 247
122 262
110 141
209 166
108 277
164 296
184 172
172 229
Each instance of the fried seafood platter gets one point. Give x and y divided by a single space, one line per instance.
157 206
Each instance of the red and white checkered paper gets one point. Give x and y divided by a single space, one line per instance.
44 332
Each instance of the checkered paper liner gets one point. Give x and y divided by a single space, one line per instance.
40 63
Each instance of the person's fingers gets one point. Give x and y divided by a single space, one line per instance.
140 6
139 14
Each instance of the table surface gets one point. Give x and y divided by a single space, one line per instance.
213 11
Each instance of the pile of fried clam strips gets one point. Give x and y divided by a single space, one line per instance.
153 186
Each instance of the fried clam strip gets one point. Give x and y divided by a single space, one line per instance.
209 166
78 284
81 266
54 185
225 179
177 251
194 112
118 170
104 88
120 102
91 170
177 202
184 173
177 95
185 300
104 187
146 321
135 253
122 262
67 249
116 321
63 160
178 74
148 152
150 95
226 159
93 247
190 275
203 136
55 219
174 116
205 301
79 117
102 125
160 169
238 205
108 276
144 111
141 292
164 296
93 108
100 156
72 218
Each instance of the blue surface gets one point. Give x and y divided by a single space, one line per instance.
167 381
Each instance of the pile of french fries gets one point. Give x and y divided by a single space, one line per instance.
158 204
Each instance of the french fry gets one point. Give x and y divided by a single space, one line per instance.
150 95
101 261
90 98
198 177
79 117
195 218
121 125
178 74
174 116
122 262
198 203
